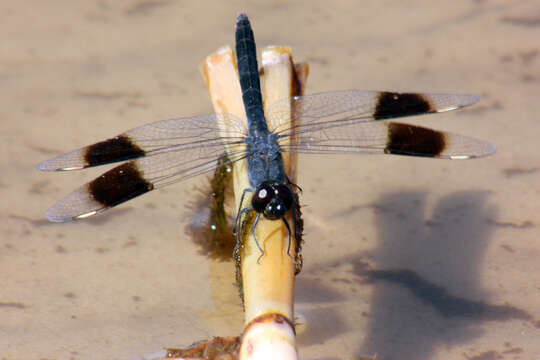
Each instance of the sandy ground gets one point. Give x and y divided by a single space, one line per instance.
405 258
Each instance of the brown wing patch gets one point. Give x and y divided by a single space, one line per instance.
118 185
405 139
115 149
391 105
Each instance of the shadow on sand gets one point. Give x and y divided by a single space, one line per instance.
426 275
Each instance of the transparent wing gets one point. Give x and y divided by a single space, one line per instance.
349 122
132 179
336 107
388 138
165 152
195 136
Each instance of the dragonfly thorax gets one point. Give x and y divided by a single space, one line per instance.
264 159
262 144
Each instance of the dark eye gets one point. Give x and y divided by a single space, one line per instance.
284 193
262 197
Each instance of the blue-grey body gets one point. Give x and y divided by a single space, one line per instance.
264 160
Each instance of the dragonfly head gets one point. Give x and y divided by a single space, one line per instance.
273 199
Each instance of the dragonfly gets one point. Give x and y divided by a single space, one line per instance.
338 122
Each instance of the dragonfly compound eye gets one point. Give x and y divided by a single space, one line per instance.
285 194
275 209
262 197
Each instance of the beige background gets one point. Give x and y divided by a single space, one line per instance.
455 243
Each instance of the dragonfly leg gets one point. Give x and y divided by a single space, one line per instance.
296 219
294 185
289 230
255 237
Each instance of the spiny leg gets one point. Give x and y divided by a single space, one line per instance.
295 221
289 230
298 229
294 185
294 210
255 237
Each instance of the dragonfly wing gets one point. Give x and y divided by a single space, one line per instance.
152 139
388 138
165 152
136 177
320 110
350 122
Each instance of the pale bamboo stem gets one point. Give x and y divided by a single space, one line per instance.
267 281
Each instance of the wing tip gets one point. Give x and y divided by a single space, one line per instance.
56 216
488 149
45 166
468 99
52 216
459 101
49 167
